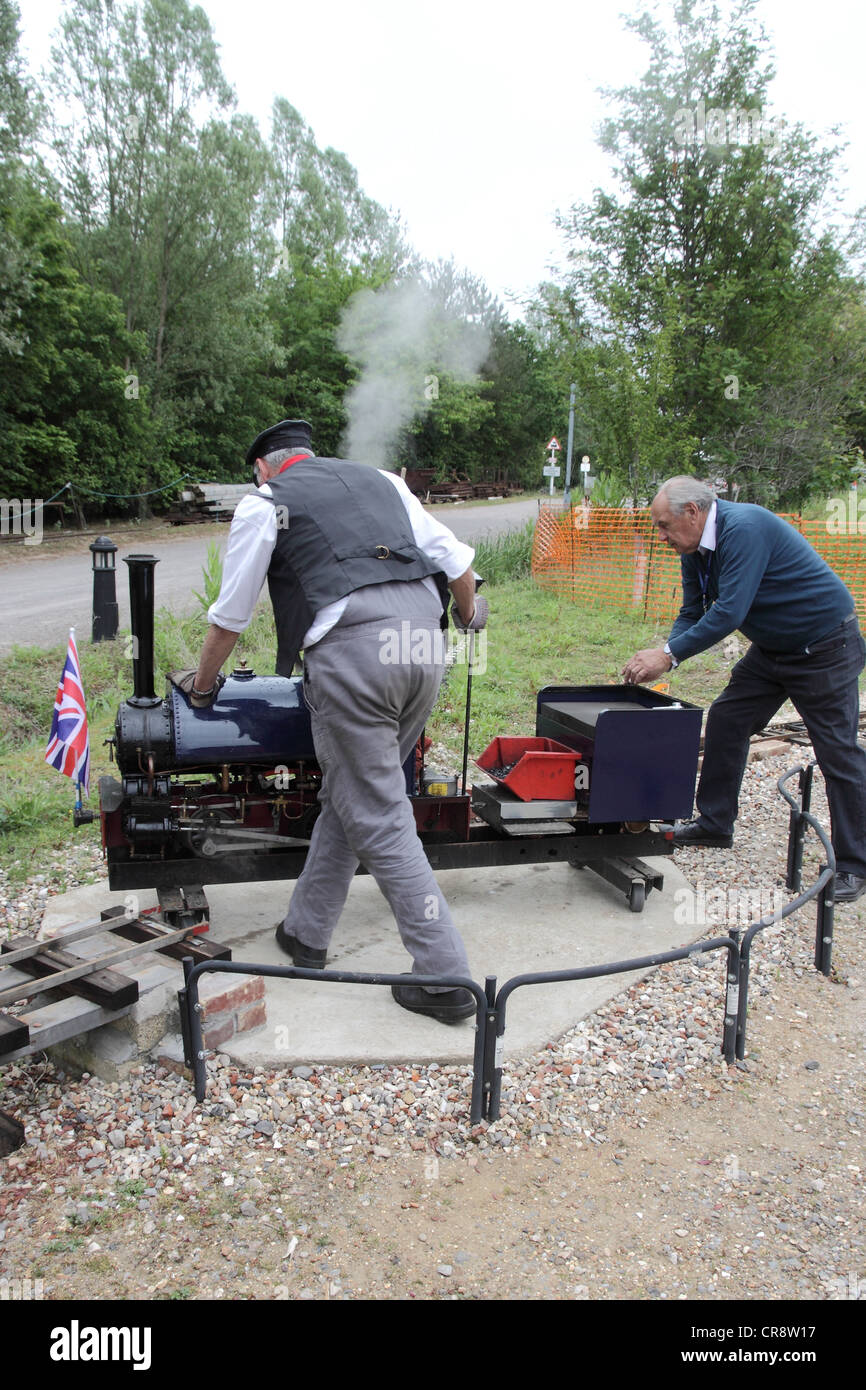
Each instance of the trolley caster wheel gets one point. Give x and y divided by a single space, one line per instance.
637 896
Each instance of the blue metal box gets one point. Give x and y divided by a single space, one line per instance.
640 747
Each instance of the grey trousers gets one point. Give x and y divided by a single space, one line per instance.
370 684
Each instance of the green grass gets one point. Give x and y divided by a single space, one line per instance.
508 556
212 576
36 802
130 1190
63 1245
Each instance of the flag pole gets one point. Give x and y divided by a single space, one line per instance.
79 804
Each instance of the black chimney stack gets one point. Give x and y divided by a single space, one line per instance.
141 590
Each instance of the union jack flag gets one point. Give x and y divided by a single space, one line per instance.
69 743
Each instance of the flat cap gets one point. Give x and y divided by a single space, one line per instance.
288 434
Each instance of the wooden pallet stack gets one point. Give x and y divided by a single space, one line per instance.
203 502
460 490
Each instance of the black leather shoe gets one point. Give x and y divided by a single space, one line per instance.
691 832
849 888
306 957
451 1006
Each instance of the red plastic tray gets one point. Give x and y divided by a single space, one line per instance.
543 771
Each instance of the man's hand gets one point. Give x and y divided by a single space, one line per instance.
646 665
207 680
478 619
199 699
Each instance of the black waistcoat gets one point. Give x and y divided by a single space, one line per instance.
340 527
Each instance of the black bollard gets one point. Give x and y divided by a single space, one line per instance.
104 592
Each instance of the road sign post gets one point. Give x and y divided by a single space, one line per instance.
551 471
584 468
567 494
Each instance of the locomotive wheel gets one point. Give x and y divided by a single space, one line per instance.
201 840
303 827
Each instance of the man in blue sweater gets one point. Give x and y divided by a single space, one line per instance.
745 569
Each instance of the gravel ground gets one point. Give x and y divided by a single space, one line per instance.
629 1161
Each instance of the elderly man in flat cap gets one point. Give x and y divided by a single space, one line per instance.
347 551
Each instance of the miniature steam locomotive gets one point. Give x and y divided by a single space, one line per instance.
229 793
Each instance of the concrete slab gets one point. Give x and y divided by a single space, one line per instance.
527 918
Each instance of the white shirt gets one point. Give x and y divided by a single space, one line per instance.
707 543
708 535
253 535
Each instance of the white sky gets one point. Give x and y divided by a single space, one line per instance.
476 120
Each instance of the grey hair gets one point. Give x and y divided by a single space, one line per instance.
280 455
682 490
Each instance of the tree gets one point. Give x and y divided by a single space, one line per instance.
526 384
449 433
305 305
704 278
333 241
324 218
17 116
166 199
16 128
66 410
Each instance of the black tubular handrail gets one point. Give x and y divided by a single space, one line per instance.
822 889
194 1050
491 1006
619 967
825 886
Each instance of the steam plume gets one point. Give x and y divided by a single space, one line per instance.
401 336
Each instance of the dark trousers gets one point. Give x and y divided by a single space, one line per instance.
821 683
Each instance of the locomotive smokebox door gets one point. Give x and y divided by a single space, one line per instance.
640 748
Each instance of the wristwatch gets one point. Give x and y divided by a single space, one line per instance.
668 652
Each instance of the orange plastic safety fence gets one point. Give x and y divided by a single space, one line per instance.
611 557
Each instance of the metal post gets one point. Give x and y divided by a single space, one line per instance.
483 1029
567 494
824 926
743 1002
732 1000
104 628
471 660
797 830
492 1069
196 1042
184 1012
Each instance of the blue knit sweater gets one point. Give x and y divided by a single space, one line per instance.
765 580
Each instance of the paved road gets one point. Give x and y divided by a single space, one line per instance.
45 590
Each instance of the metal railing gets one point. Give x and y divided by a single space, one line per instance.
496 1021
491 1004
190 1008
